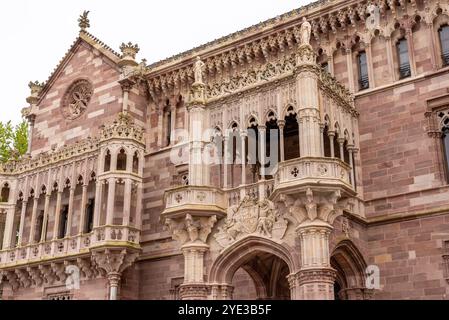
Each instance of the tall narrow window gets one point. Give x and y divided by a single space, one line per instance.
363 71
403 59
88 227
63 222
4 196
121 160
39 226
136 162
107 161
444 42
168 132
446 149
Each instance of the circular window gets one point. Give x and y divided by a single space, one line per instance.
76 99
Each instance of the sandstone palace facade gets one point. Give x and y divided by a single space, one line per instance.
349 101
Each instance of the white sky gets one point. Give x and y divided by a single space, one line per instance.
36 34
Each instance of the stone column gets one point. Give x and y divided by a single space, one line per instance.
22 222
98 202
369 62
351 164
411 51
160 127
192 233
243 136
31 120
281 124
70 212
193 287
308 99
46 214
127 202
33 220
341 142
114 154
82 220
390 57
114 262
263 150
315 280
322 139
9 226
225 161
350 70
331 135
111 202
138 222
57 215
126 85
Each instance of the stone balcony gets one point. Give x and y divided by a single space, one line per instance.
188 199
105 236
317 172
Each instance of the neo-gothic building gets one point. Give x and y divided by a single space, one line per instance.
351 97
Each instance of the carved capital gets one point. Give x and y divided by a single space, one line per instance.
114 260
191 229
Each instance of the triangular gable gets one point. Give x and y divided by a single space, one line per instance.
92 41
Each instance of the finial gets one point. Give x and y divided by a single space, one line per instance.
35 88
129 52
83 21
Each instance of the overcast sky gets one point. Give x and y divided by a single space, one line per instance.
36 34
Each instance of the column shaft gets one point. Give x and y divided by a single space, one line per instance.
111 202
82 220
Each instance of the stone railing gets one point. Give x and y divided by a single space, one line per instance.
312 171
70 246
48 158
197 196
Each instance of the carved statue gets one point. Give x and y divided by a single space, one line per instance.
198 70
306 30
266 218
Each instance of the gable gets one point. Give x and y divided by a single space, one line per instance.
85 64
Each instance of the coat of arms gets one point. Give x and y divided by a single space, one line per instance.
251 216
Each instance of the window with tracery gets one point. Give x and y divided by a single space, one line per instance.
76 99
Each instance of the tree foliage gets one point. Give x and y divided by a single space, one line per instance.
13 140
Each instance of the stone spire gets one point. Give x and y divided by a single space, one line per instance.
83 21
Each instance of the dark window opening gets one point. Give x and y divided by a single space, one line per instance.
446 150
291 138
39 225
121 160
107 162
63 222
363 71
168 132
403 59
5 193
444 42
136 163
89 222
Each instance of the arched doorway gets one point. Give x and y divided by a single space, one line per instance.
350 265
254 268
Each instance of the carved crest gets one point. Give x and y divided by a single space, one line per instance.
251 217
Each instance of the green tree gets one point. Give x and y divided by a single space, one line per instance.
13 140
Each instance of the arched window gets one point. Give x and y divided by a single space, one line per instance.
363 70
136 162
273 151
5 193
107 161
291 135
38 237
443 33
63 222
403 58
89 221
121 160
327 142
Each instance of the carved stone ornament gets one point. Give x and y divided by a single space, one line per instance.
76 99
251 217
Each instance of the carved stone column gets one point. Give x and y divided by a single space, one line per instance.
57 215
70 212
33 220
192 233
315 213
111 202
308 100
22 222
281 124
83 209
46 213
114 262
